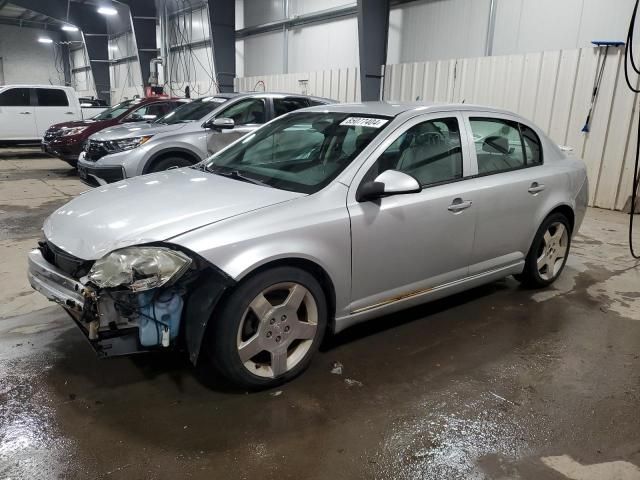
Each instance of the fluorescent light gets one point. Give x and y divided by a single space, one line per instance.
107 11
69 28
45 40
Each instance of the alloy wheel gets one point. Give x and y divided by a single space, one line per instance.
277 329
553 251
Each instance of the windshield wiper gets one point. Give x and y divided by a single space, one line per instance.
236 175
200 166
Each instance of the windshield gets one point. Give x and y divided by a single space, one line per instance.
193 111
301 152
116 110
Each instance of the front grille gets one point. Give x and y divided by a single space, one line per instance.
95 150
74 266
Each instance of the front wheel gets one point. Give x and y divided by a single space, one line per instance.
269 328
168 163
549 251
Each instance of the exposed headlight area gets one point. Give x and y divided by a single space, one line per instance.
139 268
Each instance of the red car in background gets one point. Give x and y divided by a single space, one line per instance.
66 140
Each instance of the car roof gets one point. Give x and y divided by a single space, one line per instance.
286 94
393 109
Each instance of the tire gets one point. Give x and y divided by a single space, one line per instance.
548 253
169 162
258 345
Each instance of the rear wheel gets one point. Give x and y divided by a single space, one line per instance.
548 254
169 163
269 328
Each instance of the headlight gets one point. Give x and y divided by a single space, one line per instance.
138 268
67 132
127 143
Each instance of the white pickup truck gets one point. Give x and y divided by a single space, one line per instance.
26 111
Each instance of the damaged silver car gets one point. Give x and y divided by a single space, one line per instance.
322 218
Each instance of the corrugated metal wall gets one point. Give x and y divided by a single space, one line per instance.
551 88
341 84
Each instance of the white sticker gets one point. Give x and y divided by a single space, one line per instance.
364 122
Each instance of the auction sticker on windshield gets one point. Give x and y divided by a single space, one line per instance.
364 122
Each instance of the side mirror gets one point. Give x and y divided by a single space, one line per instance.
220 123
389 182
134 117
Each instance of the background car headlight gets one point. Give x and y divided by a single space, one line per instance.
127 143
67 132
138 268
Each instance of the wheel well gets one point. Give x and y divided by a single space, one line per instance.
314 269
567 211
171 153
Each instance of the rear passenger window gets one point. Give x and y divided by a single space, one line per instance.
498 145
51 97
286 105
15 97
430 151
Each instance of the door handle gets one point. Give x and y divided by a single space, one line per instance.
25 113
459 204
536 188
68 113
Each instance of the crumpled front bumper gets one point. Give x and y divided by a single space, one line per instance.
55 284
72 295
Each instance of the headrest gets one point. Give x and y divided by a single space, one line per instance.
495 144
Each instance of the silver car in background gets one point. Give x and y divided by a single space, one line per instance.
321 219
183 137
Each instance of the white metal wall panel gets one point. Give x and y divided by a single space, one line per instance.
323 45
342 84
552 88
618 139
530 82
563 98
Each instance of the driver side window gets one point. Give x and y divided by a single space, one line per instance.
429 151
246 112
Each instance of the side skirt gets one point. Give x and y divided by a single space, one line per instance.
418 297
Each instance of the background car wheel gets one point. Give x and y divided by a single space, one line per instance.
548 254
269 328
169 162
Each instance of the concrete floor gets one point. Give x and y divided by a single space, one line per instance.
496 383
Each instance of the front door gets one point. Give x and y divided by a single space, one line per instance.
17 116
403 245
247 114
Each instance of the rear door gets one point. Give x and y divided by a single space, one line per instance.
247 114
17 115
52 106
282 105
509 189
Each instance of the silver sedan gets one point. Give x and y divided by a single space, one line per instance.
321 219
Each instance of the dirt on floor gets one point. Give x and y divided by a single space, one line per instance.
496 383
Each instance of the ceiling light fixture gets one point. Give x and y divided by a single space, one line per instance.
45 40
107 11
69 28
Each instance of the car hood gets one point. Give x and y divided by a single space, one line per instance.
130 130
79 123
152 208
